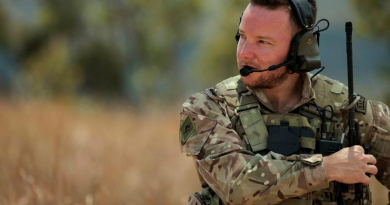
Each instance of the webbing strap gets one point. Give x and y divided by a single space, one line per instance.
328 203
215 200
305 202
307 142
295 202
254 126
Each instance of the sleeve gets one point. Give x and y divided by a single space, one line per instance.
237 175
379 139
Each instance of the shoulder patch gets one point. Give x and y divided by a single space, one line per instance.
361 105
186 129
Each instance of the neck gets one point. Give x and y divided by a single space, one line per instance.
286 95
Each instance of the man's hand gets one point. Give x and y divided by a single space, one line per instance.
350 165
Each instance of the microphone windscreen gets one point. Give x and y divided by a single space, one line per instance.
245 71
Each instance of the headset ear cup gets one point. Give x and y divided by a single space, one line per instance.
309 51
294 67
304 52
300 60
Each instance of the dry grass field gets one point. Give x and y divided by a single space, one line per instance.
59 153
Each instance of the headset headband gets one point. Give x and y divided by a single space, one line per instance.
303 12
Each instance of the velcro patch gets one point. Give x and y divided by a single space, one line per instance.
337 88
361 105
230 84
186 129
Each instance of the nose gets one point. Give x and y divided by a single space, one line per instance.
245 51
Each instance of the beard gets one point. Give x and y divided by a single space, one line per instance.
267 79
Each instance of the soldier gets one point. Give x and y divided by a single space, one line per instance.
254 138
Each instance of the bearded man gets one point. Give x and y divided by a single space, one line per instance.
254 138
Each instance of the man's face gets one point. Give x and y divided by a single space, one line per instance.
265 37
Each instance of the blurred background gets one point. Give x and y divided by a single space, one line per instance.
90 91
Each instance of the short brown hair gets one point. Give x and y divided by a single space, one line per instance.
276 4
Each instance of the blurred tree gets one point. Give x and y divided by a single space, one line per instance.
374 18
102 70
120 47
57 19
160 34
3 27
4 72
50 72
62 17
45 64
61 57
217 52
384 73
135 49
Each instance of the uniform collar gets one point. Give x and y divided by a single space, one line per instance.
308 93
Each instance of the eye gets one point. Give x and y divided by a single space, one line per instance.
263 42
242 35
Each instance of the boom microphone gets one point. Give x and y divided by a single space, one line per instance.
246 70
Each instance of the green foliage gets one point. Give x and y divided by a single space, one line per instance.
374 20
133 49
159 33
374 17
120 49
49 72
62 17
102 69
384 73
218 58
3 27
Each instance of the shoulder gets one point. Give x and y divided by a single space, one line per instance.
226 91
379 113
330 92
230 89
211 103
202 112
203 105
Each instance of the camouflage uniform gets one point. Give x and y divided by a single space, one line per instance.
234 168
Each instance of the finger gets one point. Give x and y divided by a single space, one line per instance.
358 148
366 180
371 169
371 159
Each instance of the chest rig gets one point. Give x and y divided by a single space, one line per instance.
292 133
300 132
263 131
311 128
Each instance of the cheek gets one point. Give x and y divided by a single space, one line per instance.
239 48
267 53
278 55
283 52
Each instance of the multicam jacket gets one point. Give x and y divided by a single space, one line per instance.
217 137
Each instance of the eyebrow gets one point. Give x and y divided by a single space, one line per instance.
258 37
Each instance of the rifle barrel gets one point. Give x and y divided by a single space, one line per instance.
352 130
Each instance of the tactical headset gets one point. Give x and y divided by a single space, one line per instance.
304 53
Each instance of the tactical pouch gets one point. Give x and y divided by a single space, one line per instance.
282 140
304 201
196 199
289 133
274 131
254 126
295 202
206 197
